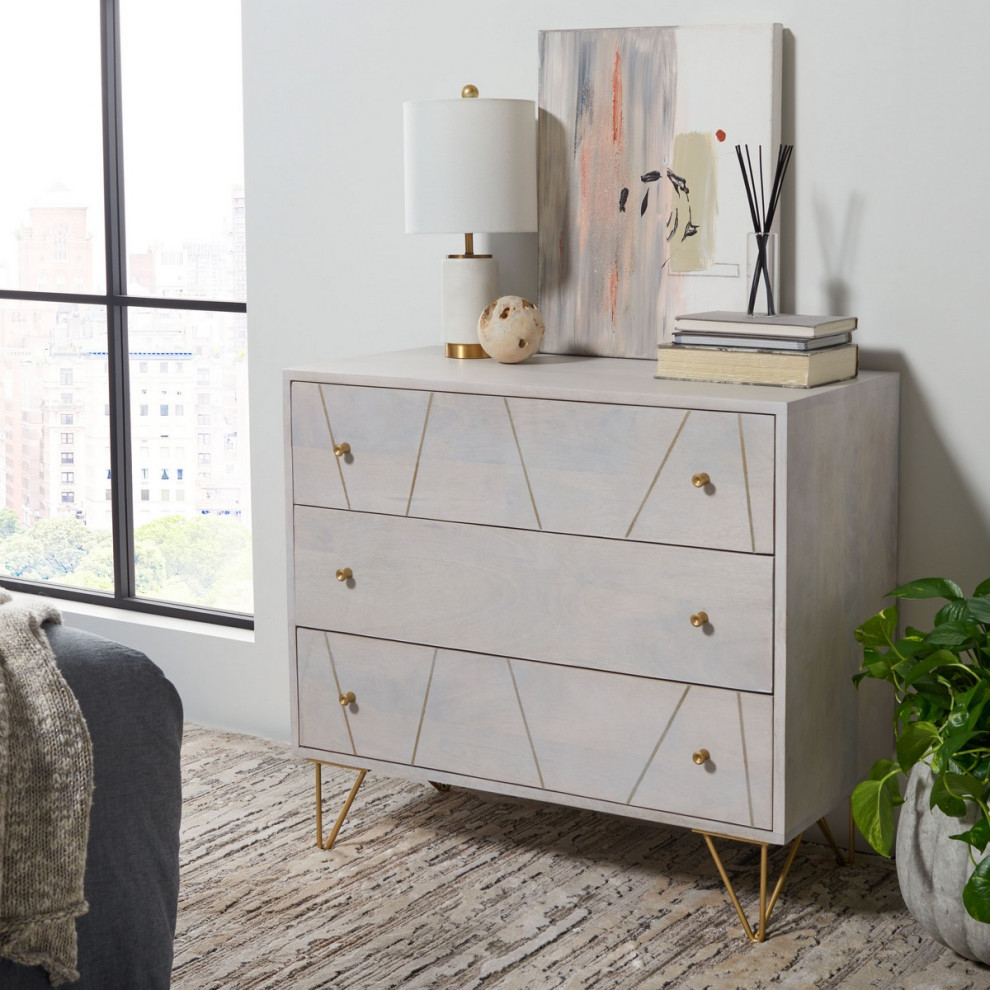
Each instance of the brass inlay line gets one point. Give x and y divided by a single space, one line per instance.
422 714
656 477
333 443
745 471
522 461
745 757
419 452
336 680
522 712
656 749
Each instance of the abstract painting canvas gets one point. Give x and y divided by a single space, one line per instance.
643 210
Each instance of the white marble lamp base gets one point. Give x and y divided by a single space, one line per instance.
469 284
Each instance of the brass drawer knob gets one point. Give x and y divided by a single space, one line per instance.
347 699
701 757
697 620
345 574
701 479
340 449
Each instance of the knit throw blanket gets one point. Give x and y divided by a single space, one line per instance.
46 789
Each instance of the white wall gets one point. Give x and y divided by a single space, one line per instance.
886 216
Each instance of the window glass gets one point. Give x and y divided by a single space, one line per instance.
183 148
198 551
54 523
51 175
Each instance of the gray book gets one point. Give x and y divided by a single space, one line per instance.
704 338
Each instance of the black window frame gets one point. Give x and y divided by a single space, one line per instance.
116 302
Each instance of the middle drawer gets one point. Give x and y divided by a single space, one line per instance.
697 616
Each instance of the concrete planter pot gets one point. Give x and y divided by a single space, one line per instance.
933 869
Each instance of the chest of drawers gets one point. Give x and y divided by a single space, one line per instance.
570 581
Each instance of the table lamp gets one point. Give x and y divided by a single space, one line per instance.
470 165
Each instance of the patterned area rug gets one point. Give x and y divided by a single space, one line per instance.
463 890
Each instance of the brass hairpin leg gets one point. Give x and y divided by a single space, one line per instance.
846 860
765 906
320 764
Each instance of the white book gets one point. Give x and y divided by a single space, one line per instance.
781 325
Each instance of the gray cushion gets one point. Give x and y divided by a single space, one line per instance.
134 716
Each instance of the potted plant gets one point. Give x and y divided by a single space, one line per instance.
941 684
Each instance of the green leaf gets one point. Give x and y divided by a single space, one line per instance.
911 645
952 634
879 629
979 607
873 803
942 761
948 804
976 893
927 588
936 696
981 768
940 658
983 588
955 611
879 670
978 836
964 785
904 711
914 742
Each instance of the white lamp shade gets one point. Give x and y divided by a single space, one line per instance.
470 165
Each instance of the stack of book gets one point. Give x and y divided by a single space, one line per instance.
797 351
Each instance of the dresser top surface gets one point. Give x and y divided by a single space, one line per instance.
559 376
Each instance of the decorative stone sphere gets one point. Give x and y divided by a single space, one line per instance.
933 869
510 329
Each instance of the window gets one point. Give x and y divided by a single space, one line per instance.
122 270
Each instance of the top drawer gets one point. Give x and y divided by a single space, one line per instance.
678 476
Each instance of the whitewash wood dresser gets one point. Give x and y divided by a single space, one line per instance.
570 581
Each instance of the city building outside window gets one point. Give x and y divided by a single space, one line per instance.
123 288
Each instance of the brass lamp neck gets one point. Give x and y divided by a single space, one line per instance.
469 249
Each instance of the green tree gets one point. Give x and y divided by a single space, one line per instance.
201 561
9 523
95 570
49 551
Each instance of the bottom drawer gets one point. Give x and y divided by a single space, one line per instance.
613 737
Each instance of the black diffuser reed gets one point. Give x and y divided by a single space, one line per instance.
763 213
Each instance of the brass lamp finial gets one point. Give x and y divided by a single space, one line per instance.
469 92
